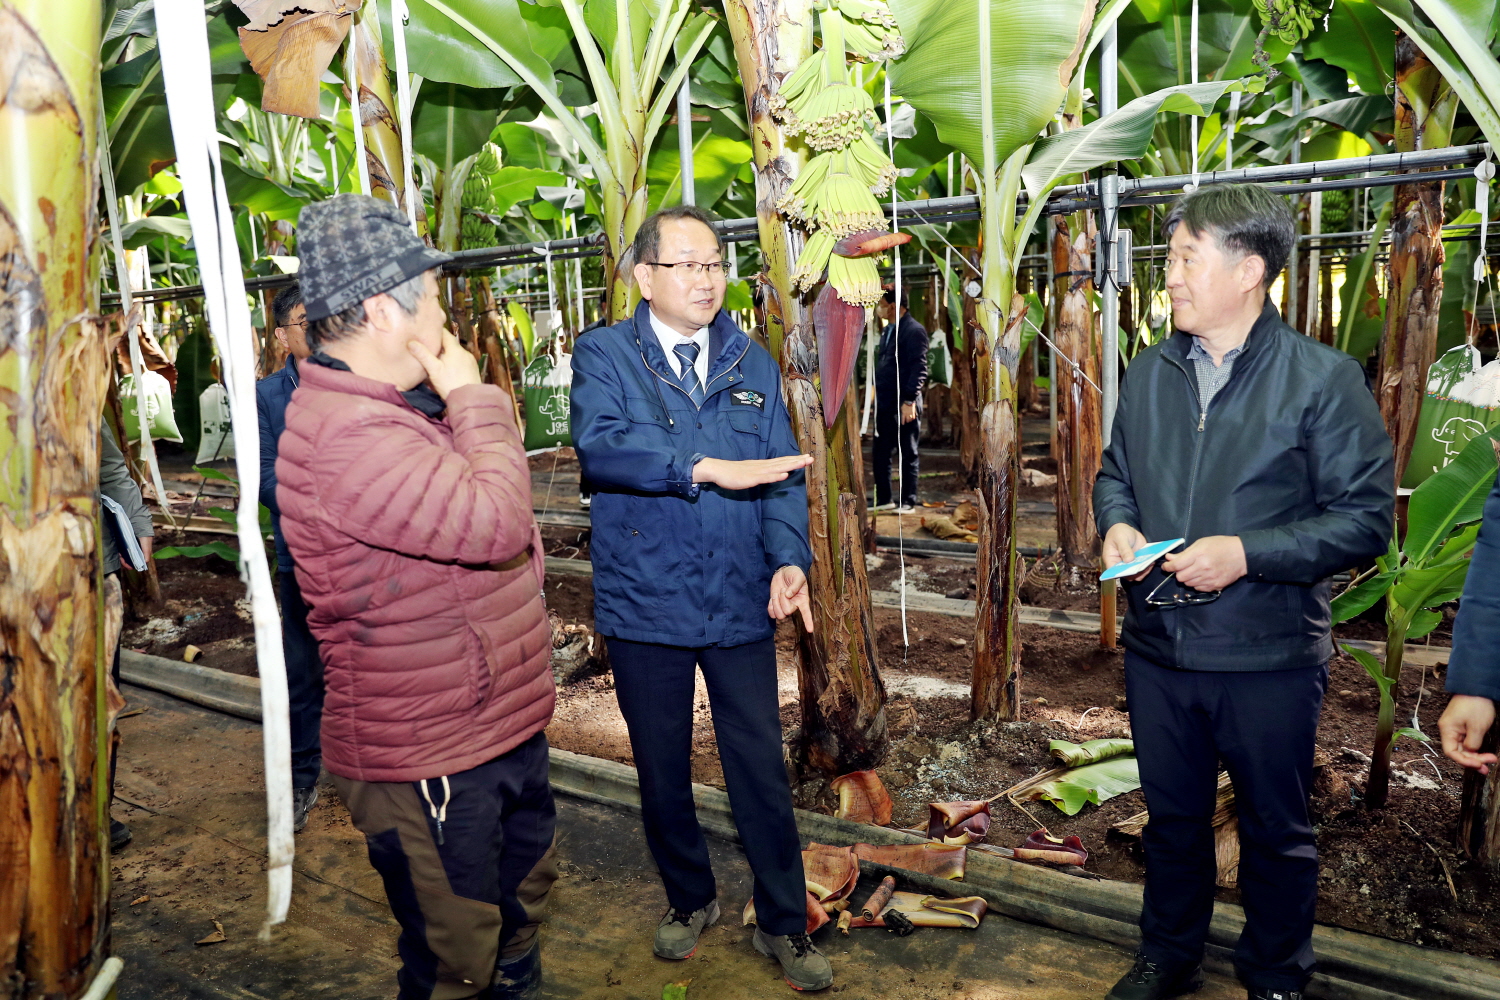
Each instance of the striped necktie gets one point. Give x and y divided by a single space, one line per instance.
687 357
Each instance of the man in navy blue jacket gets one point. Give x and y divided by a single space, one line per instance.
304 668
1474 668
699 541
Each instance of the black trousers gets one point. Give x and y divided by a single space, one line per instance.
304 682
654 685
467 861
1262 726
888 437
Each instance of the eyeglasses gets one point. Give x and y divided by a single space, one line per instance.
718 269
1181 599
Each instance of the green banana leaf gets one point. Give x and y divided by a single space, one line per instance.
1354 114
451 122
261 195
1458 274
1358 41
1093 783
142 231
1453 495
1091 752
439 51
513 185
1034 45
223 550
194 374
1373 667
1156 36
1363 307
1123 135
1361 597
1457 42
523 327
525 146
716 160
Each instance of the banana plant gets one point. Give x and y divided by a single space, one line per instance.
1456 36
625 46
996 121
1425 571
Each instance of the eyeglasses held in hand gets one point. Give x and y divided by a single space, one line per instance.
718 269
1181 599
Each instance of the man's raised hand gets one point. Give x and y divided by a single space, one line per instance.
1462 727
453 368
748 474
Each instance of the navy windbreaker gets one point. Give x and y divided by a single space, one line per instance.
679 563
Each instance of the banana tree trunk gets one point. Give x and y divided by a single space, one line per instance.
54 917
1425 106
965 392
377 115
843 698
1079 444
1479 815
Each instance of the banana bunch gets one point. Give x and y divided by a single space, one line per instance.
835 194
1291 20
479 200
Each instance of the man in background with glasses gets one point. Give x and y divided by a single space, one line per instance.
699 541
1264 450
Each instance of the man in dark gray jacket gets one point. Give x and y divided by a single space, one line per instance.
1265 451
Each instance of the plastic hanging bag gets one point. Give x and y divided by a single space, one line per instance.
546 384
215 440
939 361
160 420
1462 402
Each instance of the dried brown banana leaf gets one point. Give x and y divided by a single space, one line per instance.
290 45
940 860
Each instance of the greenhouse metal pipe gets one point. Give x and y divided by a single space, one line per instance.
685 143
1109 186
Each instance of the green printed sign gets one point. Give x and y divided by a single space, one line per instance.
1462 402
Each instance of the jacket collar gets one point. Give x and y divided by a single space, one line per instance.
291 370
1176 349
726 342
325 372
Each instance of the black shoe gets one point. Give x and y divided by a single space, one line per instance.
520 978
1269 993
303 799
119 835
1148 981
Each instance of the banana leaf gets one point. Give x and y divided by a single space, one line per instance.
1093 783
1358 41
1092 752
1455 35
1451 496
1036 45
451 123
716 160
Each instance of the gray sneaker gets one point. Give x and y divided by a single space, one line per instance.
677 934
303 799
802 964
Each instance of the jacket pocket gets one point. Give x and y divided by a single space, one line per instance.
647 411
481 668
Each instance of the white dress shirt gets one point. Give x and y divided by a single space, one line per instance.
670 338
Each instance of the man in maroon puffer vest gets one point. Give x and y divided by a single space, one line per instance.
406 502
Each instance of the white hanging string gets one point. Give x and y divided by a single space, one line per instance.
399 14
356 104
137 360
1483 173
890 151
1234 112
183 44
872 341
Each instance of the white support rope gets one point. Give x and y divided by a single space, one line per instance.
137 361
356 104
183 44
900 494
1193 119
399 14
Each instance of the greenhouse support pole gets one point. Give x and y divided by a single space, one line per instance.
685 142
1109 196
1293 272
1109 318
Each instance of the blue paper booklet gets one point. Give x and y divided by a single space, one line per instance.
1144 556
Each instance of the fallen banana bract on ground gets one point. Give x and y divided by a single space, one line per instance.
958 822
1040 847
831 872
941 860
862 798
930 911
944 528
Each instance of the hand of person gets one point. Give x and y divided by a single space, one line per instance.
1210 563
908 412
453 368
789 594
744 475
1463 725
1120 543
146 546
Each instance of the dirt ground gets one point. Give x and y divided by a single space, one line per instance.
1392 872
190 787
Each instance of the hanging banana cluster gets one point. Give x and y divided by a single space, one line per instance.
836 194
1291 20
479 201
